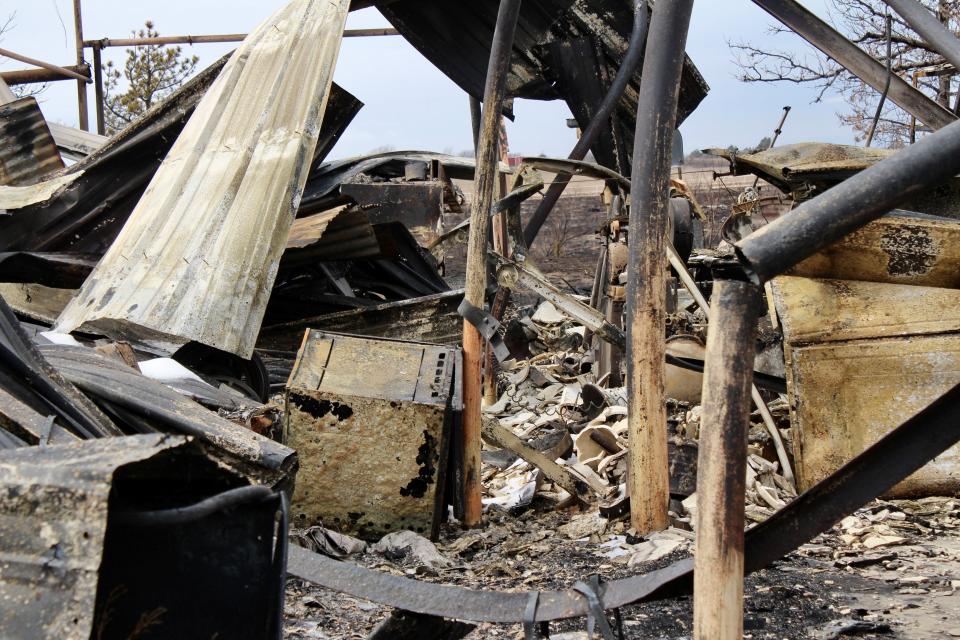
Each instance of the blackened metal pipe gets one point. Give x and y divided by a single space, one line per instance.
851 204
601 118
932 30
647 263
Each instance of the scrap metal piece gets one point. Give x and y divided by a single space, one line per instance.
820 222
431 318
29 377
149 404
861 357
54 504
27 150
893 458
897 248
198 256
542 22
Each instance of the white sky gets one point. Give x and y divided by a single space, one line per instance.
409 103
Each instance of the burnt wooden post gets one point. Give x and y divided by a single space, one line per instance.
722 462
649 484
476 277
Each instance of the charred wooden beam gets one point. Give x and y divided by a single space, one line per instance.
722 462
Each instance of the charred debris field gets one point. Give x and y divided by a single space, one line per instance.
251 389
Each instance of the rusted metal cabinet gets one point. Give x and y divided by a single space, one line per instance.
863 357
370 419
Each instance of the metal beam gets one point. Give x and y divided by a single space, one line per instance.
825 38
65 72
932 30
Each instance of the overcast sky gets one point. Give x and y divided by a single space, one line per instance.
409 103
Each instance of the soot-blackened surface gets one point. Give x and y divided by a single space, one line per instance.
911 251
426 458
318 408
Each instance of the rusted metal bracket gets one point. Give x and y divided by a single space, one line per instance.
487 325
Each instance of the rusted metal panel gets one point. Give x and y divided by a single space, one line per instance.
370 422
53 520
862 357
900 248
27 150
431 319
199 254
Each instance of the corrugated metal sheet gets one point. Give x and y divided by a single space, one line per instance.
104 187
428 319
199 254
27 150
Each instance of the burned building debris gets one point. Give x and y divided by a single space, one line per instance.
215 341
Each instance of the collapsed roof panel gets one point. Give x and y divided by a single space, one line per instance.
199 254
27 150
83 207
456 37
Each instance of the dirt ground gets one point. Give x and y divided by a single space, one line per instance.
827 589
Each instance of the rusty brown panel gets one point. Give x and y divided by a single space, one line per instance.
369 421
27 150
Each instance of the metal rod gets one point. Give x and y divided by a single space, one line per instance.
820 222
63 71
886 87
776 135
98 90
84 115
105 43
930 29
475 123
691 285
600 120
31 76
856 60
485 182
649 484
722 463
